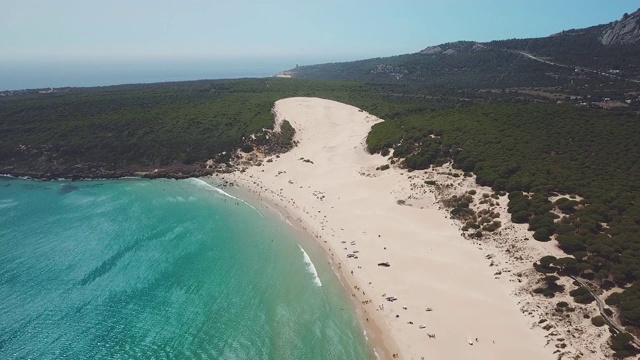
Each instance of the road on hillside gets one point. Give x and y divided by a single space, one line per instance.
532 57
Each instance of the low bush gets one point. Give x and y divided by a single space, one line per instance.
598 321
582 296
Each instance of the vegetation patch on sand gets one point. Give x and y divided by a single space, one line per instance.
536 153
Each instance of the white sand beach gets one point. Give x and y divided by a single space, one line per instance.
450 305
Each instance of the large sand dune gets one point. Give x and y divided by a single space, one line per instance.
339 197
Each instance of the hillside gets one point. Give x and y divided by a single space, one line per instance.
625 31
606 57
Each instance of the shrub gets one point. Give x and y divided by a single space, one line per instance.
520 217
550 279
474 225
598 321
620 344
613 299
542 234
566 206
567 264
462 213
547 260
246 148
286 132
546 292
492 227
544 269
582 296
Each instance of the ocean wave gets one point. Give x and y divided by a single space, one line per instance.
206 185
16 177
310 267
7 203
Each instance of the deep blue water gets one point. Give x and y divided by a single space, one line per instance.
163 269
44 74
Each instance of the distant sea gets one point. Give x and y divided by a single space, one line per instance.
162 269
45 74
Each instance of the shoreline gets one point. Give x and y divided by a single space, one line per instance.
373 333
447 302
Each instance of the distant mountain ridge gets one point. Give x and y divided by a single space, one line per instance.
578 57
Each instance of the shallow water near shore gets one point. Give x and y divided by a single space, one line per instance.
163 269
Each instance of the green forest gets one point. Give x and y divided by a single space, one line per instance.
577 63
468 67
122 128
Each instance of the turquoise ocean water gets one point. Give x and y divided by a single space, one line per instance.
163 269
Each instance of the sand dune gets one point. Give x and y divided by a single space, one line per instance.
351 208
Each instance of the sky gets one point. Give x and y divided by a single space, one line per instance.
324 30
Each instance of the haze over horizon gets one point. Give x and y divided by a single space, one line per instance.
41 36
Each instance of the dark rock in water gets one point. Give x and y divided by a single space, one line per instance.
67 188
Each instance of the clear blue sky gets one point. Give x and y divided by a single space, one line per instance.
321 29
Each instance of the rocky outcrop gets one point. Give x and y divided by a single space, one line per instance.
432 50
452 48
624 31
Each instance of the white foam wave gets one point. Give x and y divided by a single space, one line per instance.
7 203
15 177
310 267
206 185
